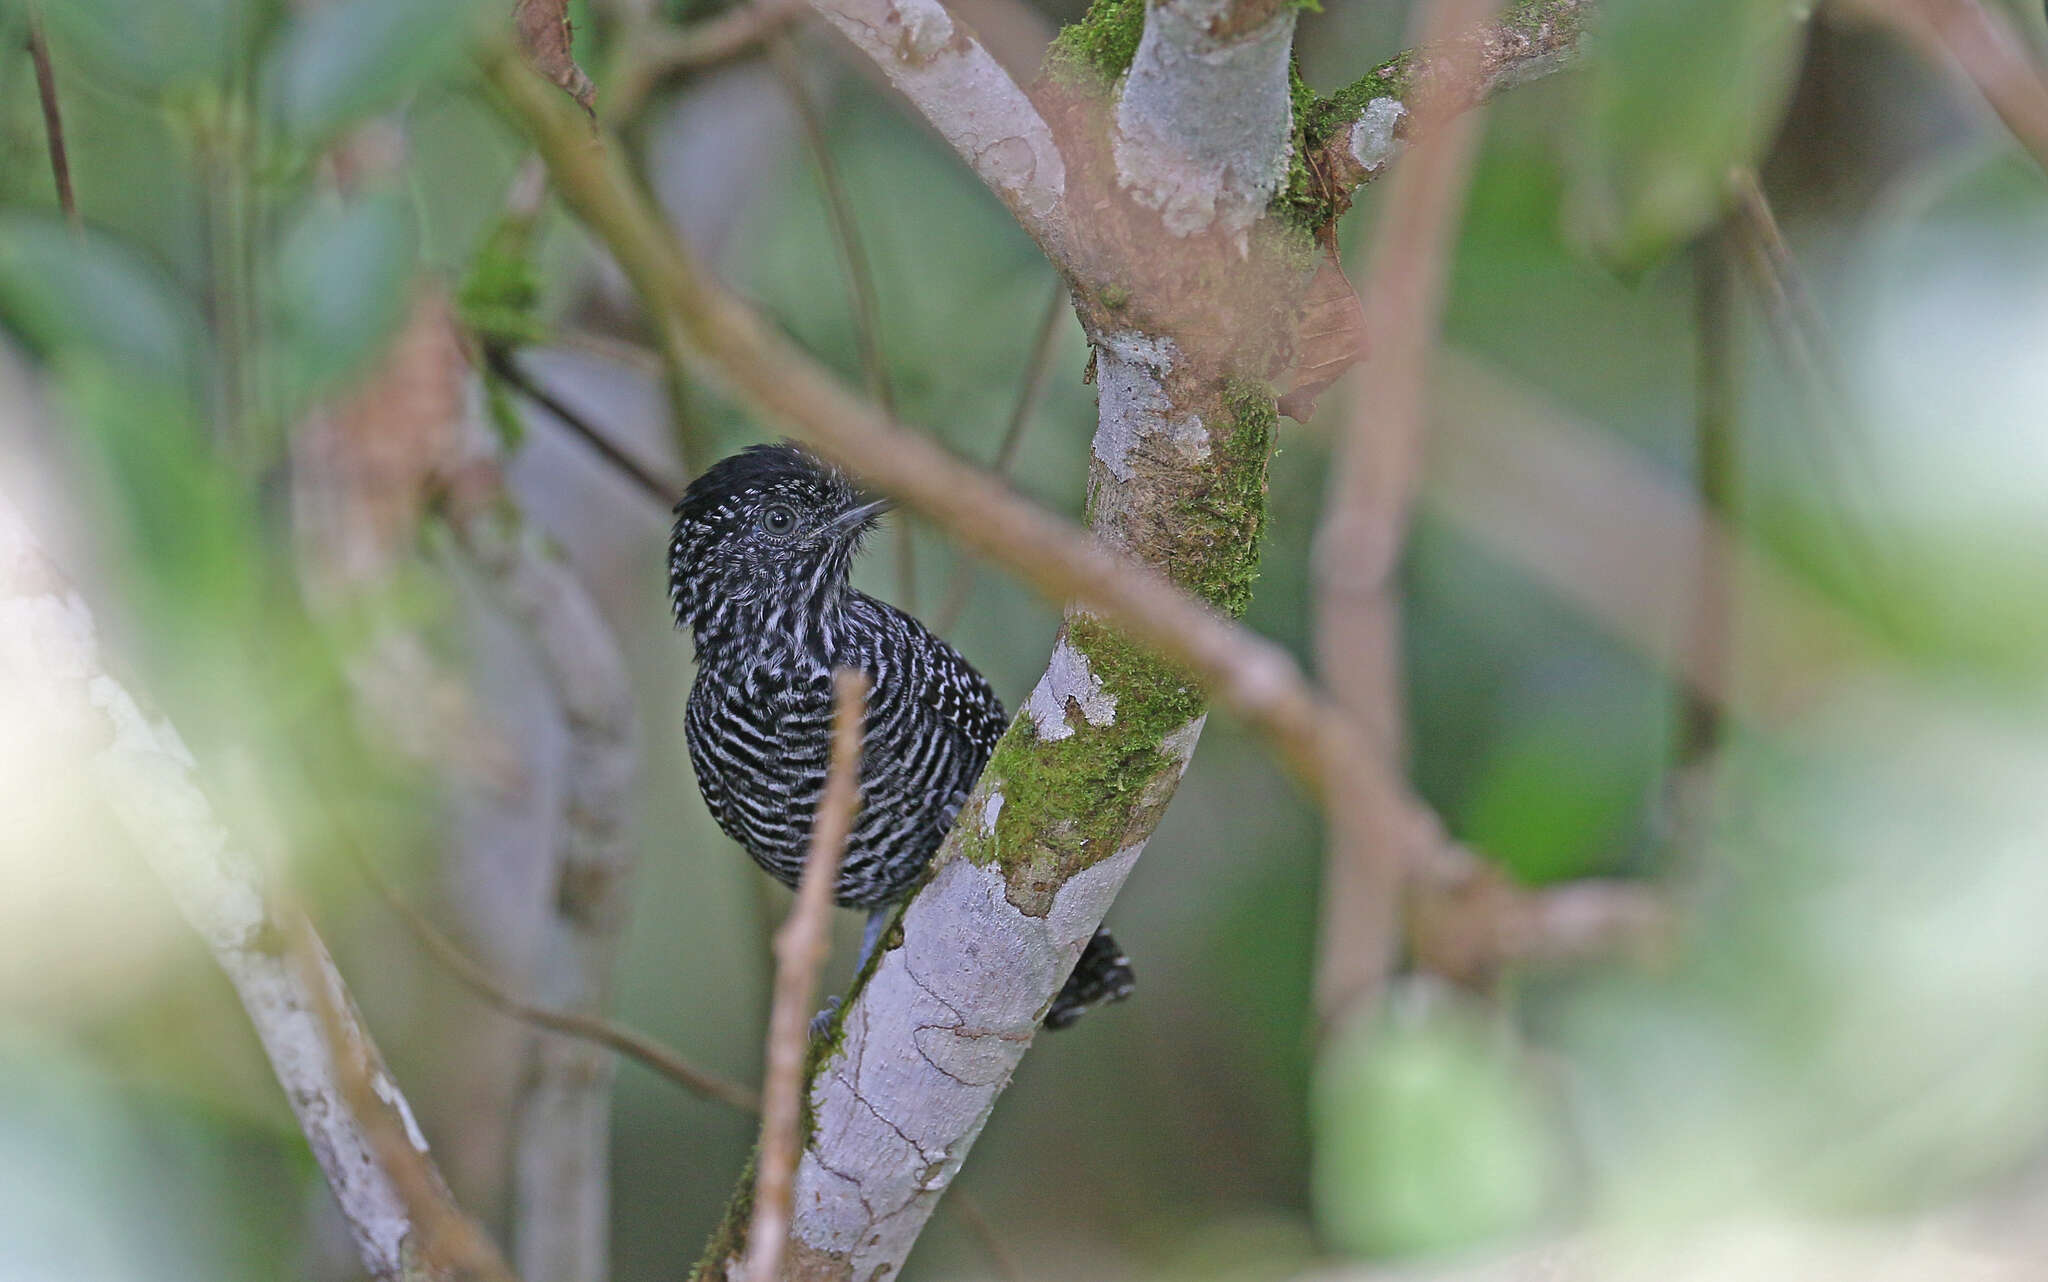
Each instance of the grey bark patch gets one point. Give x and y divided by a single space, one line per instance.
1068 680
914 1080
1203 124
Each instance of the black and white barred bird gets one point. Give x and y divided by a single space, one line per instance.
763 545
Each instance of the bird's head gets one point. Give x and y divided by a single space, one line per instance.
771 527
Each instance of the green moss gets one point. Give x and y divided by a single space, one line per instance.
1302 199
1227 521
1069 803
729 1239
499 297
1097 49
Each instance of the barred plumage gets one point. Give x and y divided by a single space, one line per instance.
758 564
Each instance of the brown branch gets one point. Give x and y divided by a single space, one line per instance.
800 949
859 276
450 1242
1030 386
662 491
1980 41
1366 517
474 976
53 119
145 775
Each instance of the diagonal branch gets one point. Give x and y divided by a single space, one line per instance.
49 648
934 60
53 118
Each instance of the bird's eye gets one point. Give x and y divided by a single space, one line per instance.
778 519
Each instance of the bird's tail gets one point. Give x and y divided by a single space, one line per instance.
1103 975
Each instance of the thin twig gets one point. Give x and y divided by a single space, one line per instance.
472 975
1378 468
1800 332
800 949
856 270
452 1243
658 54
1716 457
53 119
662 490
1030 387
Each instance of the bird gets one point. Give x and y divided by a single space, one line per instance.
760 561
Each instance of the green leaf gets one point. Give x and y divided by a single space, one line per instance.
342 277
337 63
93 296
151 45
1679 93
1429 1135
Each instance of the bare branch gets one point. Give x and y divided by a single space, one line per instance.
860 279
1980 41
451 1243
935 62
53 119
662 491
141 767
563 1124
800 949
1202 121
472 975
1030 386
1366 516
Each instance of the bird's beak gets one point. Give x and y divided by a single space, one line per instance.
860 517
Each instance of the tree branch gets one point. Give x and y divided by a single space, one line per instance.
1251 676
1079 781
145 774
1365 523
800 950
935 62
1378 119
53 118
562 1124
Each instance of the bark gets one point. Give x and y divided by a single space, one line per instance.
49 651
562 1118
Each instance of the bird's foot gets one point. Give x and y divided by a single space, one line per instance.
821 1023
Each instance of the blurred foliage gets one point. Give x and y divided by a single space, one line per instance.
1850 1025
1678 94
